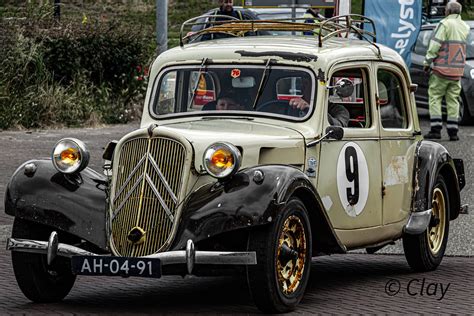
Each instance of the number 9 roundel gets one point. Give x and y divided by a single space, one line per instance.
352 179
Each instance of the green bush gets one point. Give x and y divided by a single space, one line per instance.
70 74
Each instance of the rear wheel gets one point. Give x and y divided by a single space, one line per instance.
425 251
279 279
39 281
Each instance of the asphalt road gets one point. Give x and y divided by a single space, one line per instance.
354 283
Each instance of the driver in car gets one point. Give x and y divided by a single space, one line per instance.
338 115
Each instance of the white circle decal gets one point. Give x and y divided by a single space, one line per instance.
352 179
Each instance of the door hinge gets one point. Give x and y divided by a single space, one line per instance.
383 191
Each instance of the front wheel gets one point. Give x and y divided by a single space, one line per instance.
425 251
278 281
40 282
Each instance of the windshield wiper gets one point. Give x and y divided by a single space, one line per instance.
263 82
196 85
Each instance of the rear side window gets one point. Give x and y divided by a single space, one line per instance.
393 113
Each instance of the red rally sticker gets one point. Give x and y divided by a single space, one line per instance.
235 73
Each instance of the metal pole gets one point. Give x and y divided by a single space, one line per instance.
57 10
161 25
293 13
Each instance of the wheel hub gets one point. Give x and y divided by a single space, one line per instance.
291 255
437 224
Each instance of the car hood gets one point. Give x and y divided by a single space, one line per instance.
260 143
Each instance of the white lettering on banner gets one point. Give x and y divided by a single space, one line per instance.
406 28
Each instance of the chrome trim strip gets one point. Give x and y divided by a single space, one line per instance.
117 211
162 178
129 178
190 257
418 222
159 197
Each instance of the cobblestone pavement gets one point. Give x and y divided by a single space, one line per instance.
353 283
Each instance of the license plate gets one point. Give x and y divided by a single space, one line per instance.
116 266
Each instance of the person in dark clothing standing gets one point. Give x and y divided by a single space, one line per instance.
226 7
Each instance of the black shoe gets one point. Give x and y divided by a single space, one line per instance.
453 138
433 135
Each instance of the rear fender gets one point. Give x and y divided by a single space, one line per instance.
433 159
75 204
246 202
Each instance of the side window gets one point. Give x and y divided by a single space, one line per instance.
357 105
166 99
393 112
422 42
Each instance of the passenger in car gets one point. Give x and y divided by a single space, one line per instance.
225 102
228 102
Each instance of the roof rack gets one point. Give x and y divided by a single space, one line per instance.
340 26
345 24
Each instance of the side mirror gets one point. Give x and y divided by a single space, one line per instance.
344 88
332 132
335 132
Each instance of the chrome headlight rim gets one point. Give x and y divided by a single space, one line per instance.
235 152
81 147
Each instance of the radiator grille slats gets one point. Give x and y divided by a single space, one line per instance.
148 185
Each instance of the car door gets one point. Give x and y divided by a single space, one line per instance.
350 181
418 76
397 141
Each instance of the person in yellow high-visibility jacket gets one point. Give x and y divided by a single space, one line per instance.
312 16
447 57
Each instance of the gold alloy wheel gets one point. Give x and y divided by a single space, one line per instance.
436 232
291 255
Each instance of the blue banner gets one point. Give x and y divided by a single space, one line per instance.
397 23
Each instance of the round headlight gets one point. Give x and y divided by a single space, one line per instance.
222 160
70 155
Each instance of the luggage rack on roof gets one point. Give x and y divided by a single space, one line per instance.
341 26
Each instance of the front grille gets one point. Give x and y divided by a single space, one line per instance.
147 194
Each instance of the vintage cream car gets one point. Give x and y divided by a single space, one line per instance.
236 168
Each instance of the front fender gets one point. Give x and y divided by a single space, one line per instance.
71 203
245 202
433 159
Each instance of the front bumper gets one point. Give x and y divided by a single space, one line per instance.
190 256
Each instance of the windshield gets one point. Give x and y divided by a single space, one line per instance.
249 90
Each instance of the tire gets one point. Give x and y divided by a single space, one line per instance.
39 282
465 117
424 252
272 289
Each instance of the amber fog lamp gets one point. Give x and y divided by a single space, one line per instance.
222 160
70 155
